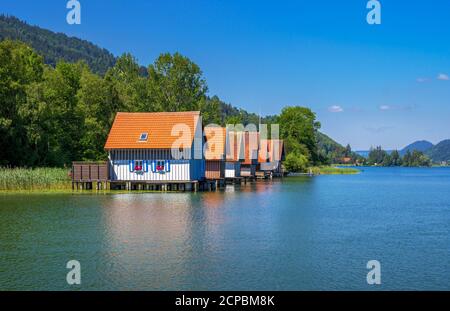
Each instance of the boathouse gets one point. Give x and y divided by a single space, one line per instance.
272 164
233 154
215 140
159 148
250 146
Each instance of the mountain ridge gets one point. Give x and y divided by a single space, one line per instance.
440 152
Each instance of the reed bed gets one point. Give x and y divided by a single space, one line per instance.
28 179
331 170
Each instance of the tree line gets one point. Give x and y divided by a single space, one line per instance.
379 157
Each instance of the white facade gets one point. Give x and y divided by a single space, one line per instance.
153 165
232 169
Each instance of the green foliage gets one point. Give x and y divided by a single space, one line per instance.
379 157
395 158
34 179
330 152
20 69
440 152
56 46
175 83
296 162
416 158
298 127
331 170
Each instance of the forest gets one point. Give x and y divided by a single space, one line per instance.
380 157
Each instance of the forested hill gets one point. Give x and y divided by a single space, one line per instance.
440 152
421 145
56 46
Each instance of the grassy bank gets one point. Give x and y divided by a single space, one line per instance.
38 179
332 170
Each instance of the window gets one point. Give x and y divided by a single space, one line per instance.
160 166
138 165
143 137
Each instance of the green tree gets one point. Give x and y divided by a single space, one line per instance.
175 83
66 129
210 108
131 87
396 159
98 101
387 160
416 158
298 126
377 156
348 151
20 67
235 119
296 162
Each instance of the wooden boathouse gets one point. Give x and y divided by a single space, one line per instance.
233 155
270 165
215 137
171 151
251 146
156 149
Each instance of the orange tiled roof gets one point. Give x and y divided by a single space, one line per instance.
128 127
263 154
251 145
275 150
233 146
215 142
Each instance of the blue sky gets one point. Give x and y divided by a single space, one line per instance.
369 84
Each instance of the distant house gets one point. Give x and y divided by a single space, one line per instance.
346 160
215 145
250 145
272 163
160 146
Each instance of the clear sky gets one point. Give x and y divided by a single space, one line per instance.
370 85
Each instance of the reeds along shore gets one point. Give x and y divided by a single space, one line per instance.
16 179
332 170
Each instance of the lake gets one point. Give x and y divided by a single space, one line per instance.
299 233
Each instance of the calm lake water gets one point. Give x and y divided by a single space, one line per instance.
300 233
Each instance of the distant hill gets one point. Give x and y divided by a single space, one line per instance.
440 152
56 46
420 145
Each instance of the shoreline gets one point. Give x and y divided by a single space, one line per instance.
313 171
